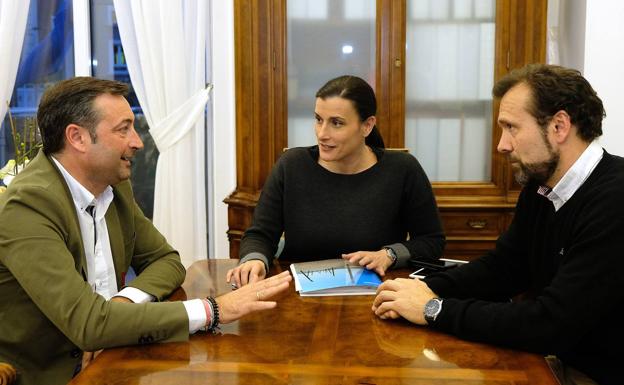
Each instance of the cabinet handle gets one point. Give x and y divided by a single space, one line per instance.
477 224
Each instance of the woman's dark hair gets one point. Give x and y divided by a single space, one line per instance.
556 88
361 95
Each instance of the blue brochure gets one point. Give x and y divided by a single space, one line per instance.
333 277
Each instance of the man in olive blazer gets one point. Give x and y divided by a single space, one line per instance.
48 311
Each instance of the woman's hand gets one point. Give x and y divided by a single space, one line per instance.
372 260
247 272
252 297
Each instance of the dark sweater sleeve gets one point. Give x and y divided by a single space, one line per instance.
498 275
570 306
260 240
426 237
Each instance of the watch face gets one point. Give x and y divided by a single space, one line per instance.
432 308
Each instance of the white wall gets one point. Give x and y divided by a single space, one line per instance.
223 149
604 66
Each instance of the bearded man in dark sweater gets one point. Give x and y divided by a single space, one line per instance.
563 250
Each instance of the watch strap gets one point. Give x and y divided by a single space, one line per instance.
392 255
432 309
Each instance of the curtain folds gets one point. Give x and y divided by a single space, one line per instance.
13 17
554 20
164 43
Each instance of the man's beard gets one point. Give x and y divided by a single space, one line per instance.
538 172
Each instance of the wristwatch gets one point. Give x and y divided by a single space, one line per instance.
392 255
433 307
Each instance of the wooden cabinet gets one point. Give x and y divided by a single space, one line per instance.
470 231
473 213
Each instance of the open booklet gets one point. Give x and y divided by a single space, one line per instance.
333 277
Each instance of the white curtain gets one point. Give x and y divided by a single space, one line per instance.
13 17
552 39
164 43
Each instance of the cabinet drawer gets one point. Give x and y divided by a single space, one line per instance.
472 224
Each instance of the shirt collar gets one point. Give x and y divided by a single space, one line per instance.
574 177
83 197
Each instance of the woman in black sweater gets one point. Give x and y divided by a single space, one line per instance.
345 197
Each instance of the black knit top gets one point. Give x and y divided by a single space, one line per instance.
323 214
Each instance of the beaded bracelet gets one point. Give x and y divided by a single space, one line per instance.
214 322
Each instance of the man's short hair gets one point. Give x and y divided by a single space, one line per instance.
556 88
71 102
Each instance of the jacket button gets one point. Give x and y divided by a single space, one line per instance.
75 353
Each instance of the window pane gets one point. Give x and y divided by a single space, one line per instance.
326 39
449 77
47 57
108 62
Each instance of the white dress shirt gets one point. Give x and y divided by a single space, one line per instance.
100 267
575 176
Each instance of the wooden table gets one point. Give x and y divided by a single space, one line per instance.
313 340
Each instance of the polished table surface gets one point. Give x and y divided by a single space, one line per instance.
311 340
